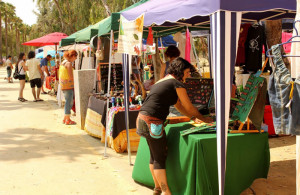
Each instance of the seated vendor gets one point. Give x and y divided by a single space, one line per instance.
166 92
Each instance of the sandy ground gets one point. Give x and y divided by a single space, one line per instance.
40 155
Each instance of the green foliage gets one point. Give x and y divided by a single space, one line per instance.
67 16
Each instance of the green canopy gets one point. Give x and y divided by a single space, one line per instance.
87 33
70 40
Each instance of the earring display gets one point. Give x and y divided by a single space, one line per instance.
199 90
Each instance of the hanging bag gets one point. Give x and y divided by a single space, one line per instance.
17 73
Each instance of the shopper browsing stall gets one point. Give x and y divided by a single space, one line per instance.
171 53
66 82
166 92
44 67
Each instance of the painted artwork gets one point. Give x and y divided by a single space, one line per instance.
248 97
130 36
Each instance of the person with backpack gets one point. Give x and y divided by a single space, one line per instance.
21 68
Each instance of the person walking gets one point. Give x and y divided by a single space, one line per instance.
35 75
44 67
9 68
20 66
66 82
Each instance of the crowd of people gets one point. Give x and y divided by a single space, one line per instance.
37 71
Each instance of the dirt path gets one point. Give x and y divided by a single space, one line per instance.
40 155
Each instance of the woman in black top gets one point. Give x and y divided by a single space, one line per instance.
166 92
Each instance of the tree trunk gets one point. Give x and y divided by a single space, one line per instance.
6 26
274 34
11 41
16 30
156 61
60 15
108 12
24 47
0 34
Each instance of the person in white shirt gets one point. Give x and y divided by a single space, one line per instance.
35 75
9 68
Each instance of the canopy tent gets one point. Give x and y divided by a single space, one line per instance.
70 40
105 25
49 52
224 17
50 39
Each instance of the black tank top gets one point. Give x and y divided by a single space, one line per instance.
162 95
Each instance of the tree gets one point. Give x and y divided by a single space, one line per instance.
108 12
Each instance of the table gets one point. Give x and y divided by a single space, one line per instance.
192 162
95 126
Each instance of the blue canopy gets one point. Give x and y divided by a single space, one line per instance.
167 41
39 55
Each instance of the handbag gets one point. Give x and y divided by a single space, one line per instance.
17 73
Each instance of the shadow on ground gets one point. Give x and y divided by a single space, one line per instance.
282 141
22 144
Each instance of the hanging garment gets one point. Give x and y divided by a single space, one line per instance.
279 92
150 37
295 108
256 38
188 46
240 57
181 39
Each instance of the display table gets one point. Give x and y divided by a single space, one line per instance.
95 126
192 162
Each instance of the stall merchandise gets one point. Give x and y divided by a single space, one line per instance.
95 124
192 162
199 90
284 97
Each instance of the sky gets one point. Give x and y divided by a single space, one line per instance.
24 10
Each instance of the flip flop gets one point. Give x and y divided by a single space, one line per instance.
21 99
34 100
40 100
44 93
70 122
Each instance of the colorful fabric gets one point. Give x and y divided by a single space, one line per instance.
188 46
150 37
93 125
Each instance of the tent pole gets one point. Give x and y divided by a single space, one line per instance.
108 90
209 54
90 60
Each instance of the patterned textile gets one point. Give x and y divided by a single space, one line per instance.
93 125
119 144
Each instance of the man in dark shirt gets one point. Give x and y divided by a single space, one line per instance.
44 67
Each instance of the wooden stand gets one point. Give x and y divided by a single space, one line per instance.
240 130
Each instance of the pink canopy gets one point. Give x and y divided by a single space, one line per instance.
50 39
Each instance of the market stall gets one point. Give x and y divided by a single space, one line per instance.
224 18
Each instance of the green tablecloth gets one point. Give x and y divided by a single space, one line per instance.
192 162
